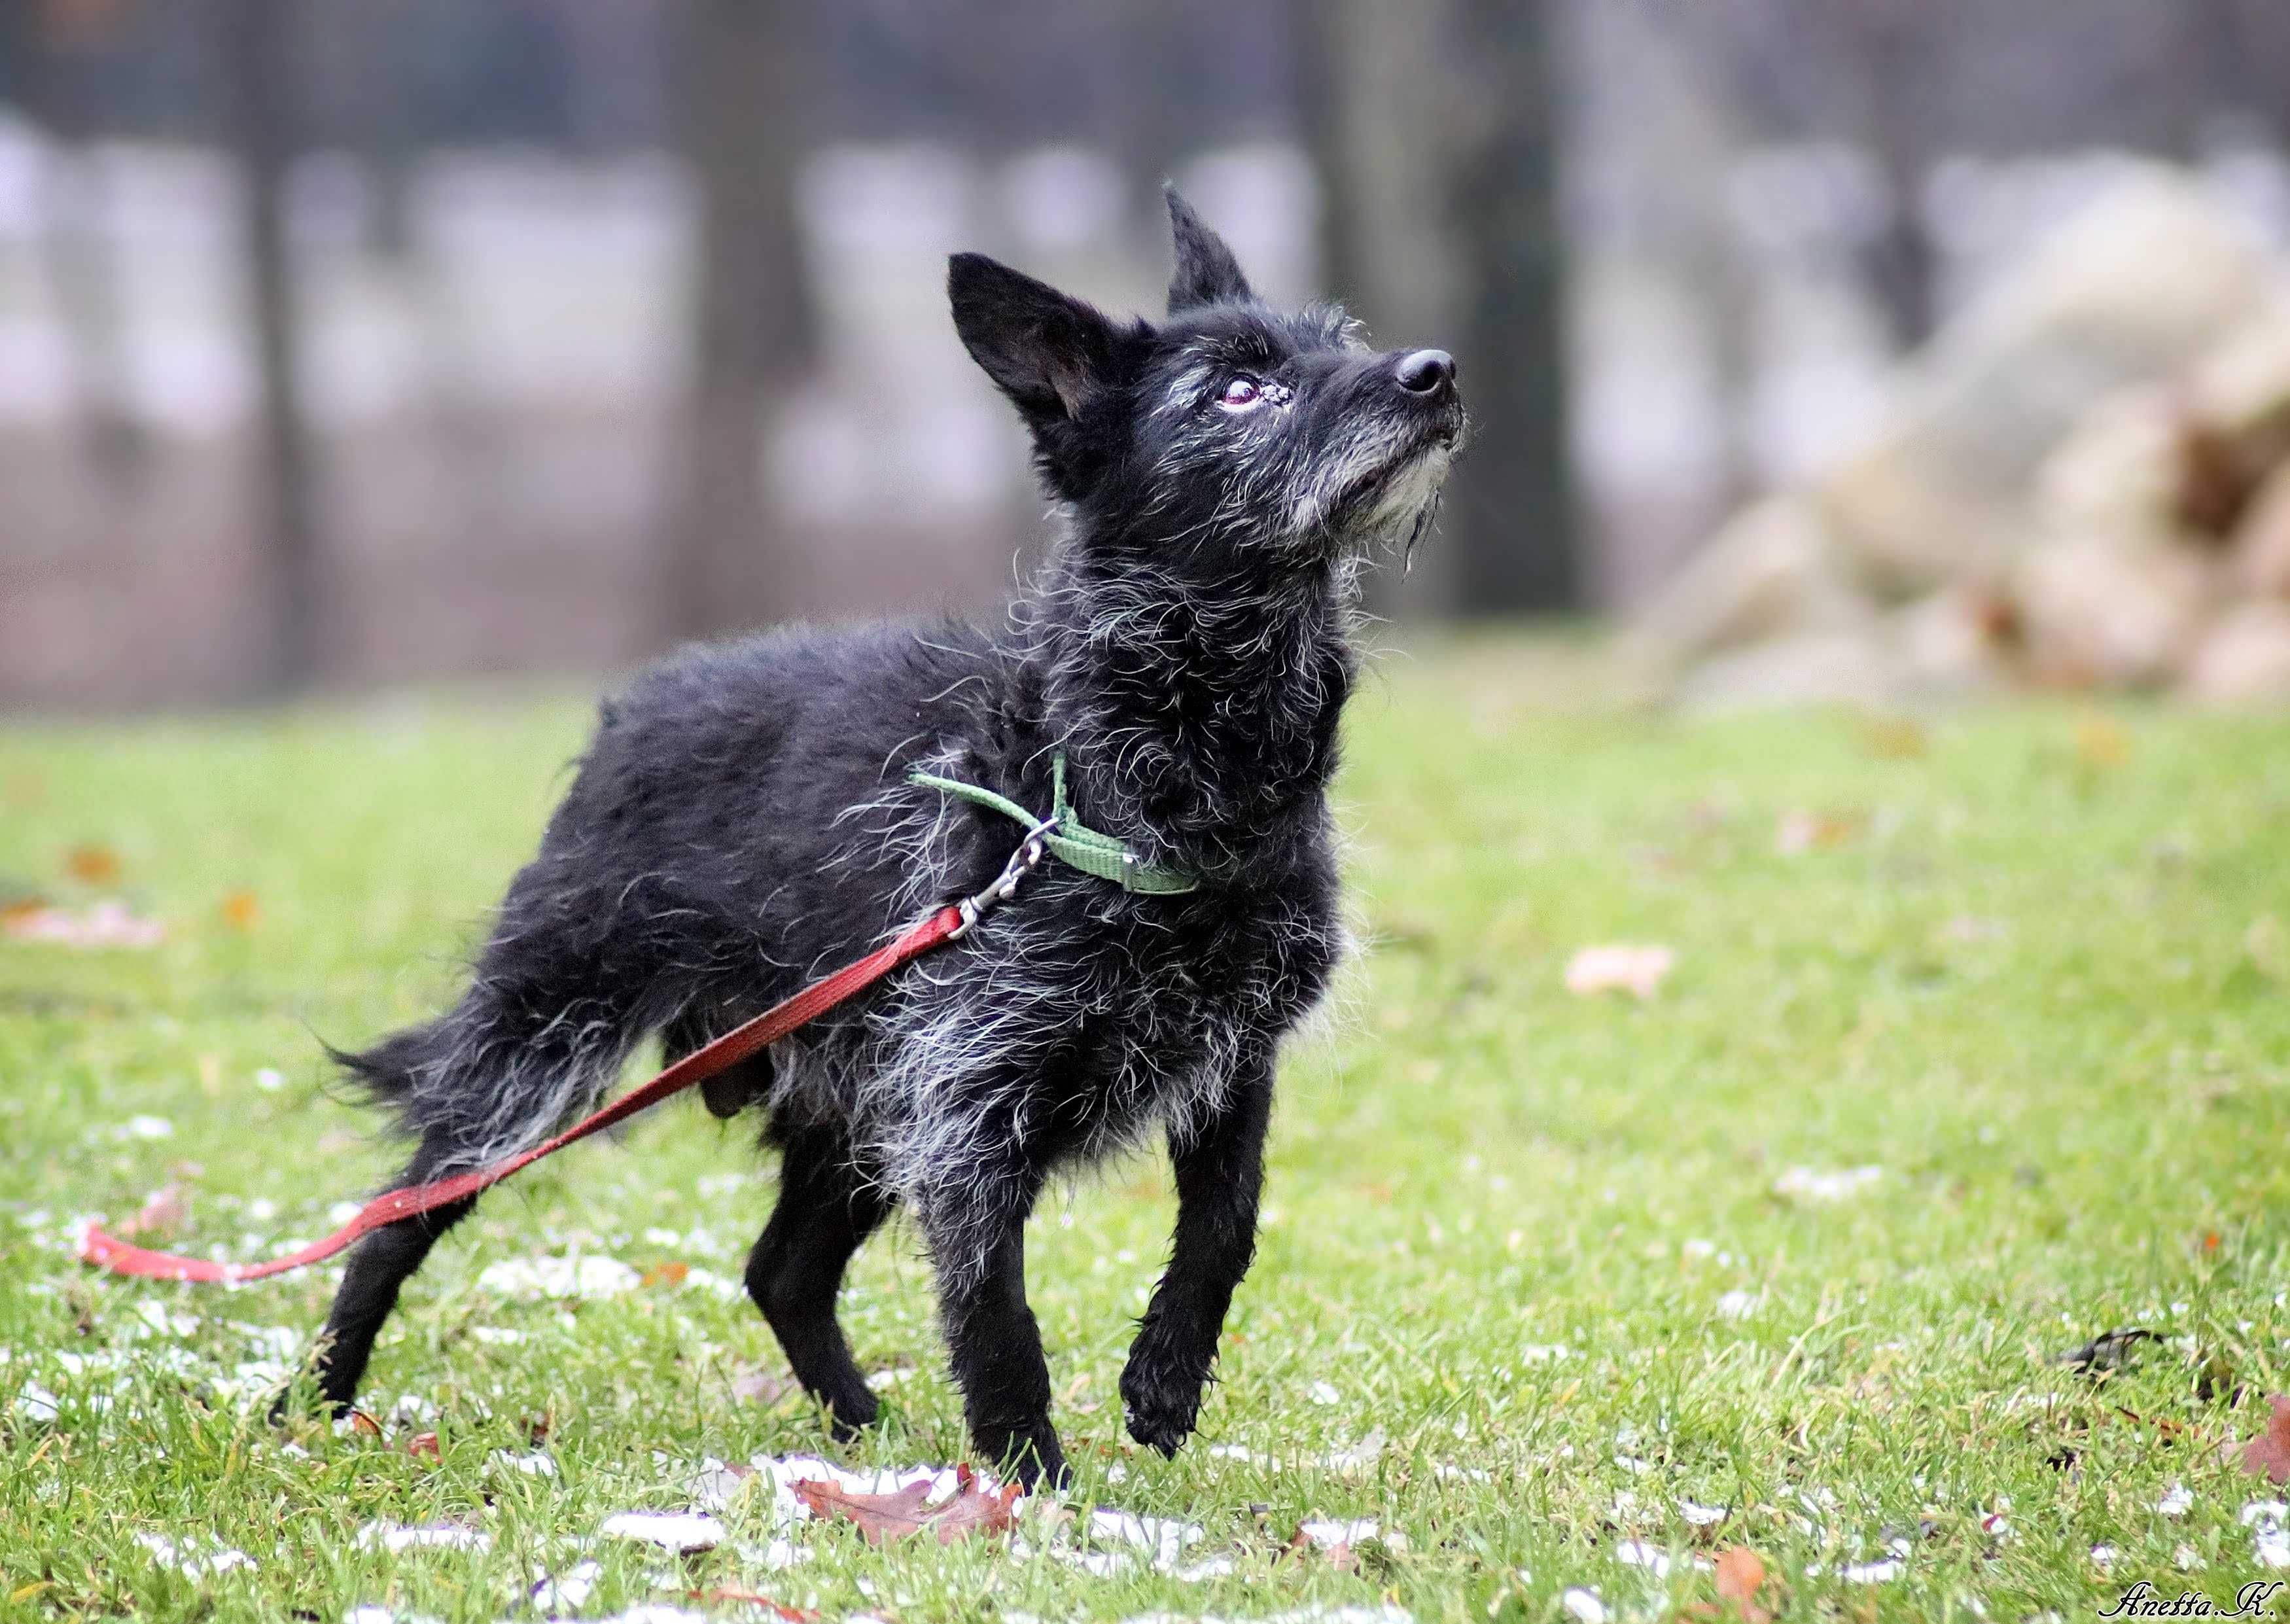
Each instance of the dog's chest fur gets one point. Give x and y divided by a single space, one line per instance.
1080 1016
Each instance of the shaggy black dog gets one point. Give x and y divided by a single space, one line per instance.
744 820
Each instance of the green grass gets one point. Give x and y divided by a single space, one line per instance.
2039 980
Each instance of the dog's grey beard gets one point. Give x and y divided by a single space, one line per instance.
1402 510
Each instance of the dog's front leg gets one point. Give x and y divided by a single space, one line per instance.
1219 1166
977 1235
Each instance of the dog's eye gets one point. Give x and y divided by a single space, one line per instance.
1240 393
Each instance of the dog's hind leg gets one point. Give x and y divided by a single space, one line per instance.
530 1046
827 1209
379 1265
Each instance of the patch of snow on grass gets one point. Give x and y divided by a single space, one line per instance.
1583 1606
192 1557
528 1279
672 1531
398 1538
1808 1184
569 1591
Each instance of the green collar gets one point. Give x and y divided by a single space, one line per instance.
1068 839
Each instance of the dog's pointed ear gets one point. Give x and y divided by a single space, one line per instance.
1207 272
1051 354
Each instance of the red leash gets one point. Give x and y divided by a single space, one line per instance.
736 1046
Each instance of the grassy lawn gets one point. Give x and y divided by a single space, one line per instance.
1548 1280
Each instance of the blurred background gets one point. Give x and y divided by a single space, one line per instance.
1860 349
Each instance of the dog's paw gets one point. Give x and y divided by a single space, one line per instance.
1160 1407
850 1414
1031 1455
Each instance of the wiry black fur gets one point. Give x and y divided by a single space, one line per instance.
742 823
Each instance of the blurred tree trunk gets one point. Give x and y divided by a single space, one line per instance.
1514 498
1435 127
1151 133
59 45
1890 45
257 51
744 71
384 31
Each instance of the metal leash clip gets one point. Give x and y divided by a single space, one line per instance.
1022 862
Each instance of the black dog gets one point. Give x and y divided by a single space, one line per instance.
744 820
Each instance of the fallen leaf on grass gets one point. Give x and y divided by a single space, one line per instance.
104 924
758 1386
1619 967
1895 737
424 1446
2268 1455
1741 1575
163 1213
92 865
2100 741
1800 832
667 1273
241 911
972 1508
1339 1556
357 1423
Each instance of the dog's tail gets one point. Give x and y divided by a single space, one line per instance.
490 1076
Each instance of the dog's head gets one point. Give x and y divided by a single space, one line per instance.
1229 426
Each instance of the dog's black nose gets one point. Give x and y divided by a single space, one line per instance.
1427 372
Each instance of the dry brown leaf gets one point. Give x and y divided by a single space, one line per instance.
667 1273
1800 831
163 1213
758 1386
1339 1556
363 1425
2100 741
1741 1575
242 910
1896 737
2268 1454
424 1446
1619 967
92 865
972 1508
